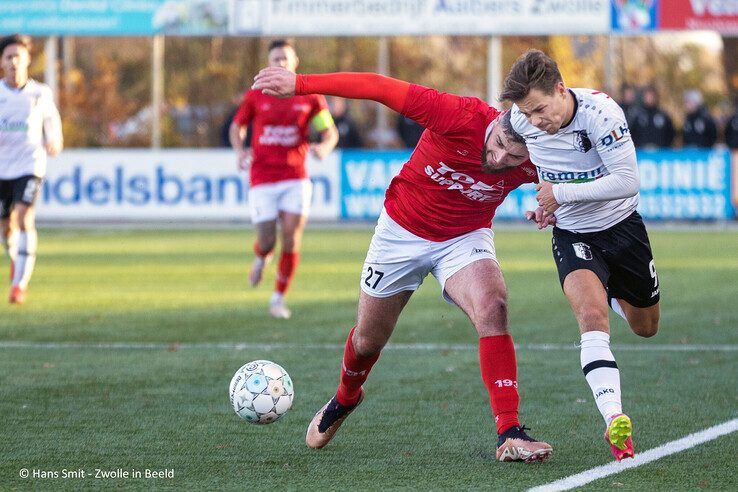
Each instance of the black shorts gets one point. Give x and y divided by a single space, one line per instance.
620 257
19 190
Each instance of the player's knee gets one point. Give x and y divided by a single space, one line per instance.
647 327
490 315
366 346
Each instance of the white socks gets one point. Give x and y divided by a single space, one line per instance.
601 372
25 258
10 244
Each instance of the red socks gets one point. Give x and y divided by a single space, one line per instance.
354 371
500 375
286 271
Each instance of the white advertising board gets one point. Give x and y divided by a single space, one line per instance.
181 184
423 17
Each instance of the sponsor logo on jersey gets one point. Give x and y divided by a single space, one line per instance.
466 185
571 176
13 126
283 135
301 108
582 251
616 135
581 141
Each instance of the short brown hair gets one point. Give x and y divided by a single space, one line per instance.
20 39
533 70
280 43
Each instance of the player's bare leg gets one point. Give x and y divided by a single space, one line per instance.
479 290
643 321
266 238
292 227
377 318
25 258
588 300
9 240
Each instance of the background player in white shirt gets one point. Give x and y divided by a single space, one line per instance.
580 143
30 129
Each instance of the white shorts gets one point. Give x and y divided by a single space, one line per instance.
398 260
292 196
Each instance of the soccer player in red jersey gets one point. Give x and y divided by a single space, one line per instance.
280 188
437 219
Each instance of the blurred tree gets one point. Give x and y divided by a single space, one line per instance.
730 65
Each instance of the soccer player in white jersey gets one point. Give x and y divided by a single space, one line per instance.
588 176
30 129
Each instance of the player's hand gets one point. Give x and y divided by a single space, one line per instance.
537 217
275 81
53 148
546 198
319 150
243 159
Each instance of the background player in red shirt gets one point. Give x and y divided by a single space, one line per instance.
437 219
280 188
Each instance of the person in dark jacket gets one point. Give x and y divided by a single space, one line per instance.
731 132
699 125
349 136
652 127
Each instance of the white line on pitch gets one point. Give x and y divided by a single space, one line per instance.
654 454
333 346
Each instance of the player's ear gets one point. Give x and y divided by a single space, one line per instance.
297 61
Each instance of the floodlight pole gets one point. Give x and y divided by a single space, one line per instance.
51 75
383 136
157 89
494 71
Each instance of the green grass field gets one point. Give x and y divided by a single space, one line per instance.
76 403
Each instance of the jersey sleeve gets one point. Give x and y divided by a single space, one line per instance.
439 112
51 119
245 112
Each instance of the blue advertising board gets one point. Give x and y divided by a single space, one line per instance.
685 184
634 16
365 176
114 17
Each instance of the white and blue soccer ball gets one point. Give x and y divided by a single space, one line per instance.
261 392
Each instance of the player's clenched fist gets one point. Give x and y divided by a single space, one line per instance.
275 81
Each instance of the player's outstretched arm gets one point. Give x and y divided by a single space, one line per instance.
279 82
275 81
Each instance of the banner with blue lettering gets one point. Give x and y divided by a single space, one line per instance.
685 184
182 184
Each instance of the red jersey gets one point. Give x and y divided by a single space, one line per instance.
280 127
442 191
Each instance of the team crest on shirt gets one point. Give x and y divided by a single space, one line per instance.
581 141
582 251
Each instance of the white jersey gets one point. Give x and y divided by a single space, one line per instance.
28 119
595 144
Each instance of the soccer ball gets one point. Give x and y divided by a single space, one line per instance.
261 392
